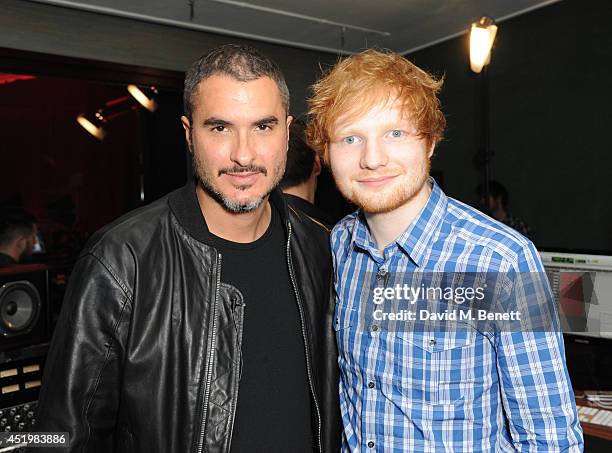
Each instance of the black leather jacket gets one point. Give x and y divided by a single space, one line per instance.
146 353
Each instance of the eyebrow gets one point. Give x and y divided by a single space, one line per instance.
393 125
267 120
215 122
344 132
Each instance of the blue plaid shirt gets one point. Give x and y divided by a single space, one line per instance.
402 392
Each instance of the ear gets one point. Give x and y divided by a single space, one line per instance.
316 168
21 243
187 127
326 159
432 147
289 121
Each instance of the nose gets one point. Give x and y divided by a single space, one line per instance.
243 152
374 155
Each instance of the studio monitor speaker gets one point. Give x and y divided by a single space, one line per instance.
24 311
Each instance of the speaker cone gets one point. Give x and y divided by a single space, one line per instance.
19 307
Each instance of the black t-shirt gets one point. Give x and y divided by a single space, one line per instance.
273 413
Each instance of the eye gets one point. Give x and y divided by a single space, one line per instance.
351 140
264 127
396 133
219 129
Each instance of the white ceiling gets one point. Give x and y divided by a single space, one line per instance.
400 25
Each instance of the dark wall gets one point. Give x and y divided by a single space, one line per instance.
49 162
64 43
550 92
69 32
71 182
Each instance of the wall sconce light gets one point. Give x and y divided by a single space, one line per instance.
111 110
482 36
147 101
93 126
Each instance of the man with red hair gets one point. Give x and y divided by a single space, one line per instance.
443 377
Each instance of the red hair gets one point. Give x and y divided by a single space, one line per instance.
362 80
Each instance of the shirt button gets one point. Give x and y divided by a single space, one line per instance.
374 327
371 444
371 385
432 342
381 276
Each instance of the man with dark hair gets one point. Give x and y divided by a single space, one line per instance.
203 322
300 180
17 236
498 207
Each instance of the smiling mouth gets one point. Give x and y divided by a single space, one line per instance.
243 179
243 174
376 181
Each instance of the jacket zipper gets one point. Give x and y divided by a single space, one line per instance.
306 348
235 398
204 408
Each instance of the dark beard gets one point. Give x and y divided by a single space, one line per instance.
227 204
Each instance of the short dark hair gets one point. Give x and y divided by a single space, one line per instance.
240 62
15 223
300 157
496 190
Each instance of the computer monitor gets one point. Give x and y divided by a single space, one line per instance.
582 286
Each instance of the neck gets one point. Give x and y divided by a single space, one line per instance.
243 227
386 227
305 190
500 214
11 251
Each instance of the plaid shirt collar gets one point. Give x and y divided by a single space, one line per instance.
414 241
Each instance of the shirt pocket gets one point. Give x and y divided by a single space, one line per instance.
434 367
347 336
344 317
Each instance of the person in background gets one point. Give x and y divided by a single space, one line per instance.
299 182
497 206
18 232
